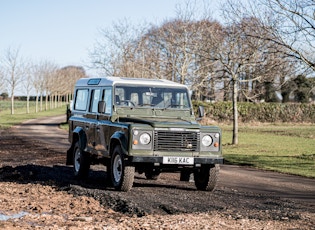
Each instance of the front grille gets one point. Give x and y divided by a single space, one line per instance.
176 141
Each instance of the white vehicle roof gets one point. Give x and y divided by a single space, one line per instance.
110 81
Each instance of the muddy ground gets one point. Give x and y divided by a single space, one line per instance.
37 190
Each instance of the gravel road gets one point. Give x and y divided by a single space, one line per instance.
37 190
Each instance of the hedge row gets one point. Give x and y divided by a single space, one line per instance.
260 112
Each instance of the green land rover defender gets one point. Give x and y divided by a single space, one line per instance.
141 125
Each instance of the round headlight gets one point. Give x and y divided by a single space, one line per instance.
145 138
206 140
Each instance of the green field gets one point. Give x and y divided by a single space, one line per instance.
7 120
287 148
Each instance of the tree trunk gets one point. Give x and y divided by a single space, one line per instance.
235 113
50 103
36 103
46 101
55 101
41 101
60 101
12 103
226 96
28 104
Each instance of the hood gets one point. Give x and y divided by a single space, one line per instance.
162 122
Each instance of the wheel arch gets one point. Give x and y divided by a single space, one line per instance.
78 135
118 138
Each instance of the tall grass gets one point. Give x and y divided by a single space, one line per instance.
7 119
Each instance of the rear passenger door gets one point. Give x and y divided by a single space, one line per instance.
95 95
102 134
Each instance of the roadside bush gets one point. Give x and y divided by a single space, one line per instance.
260 112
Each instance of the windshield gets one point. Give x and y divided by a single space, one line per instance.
154 97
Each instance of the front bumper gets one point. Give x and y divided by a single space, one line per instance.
159 160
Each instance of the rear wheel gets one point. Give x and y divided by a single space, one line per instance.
122 176
206 177
81 162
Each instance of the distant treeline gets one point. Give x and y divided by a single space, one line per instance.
260 112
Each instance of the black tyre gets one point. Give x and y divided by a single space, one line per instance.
108 179
206 177
152 174
184 176
122 176
81 162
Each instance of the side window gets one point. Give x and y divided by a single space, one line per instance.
95 98
146 98
107 97
134 98
81 99
119 95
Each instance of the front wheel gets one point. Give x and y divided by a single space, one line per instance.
122 176
81 162
206 177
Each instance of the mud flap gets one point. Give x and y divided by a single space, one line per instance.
69 160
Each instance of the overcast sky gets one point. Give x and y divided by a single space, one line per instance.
63 31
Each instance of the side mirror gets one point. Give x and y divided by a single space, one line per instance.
101 107
201 111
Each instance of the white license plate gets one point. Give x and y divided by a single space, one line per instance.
178 160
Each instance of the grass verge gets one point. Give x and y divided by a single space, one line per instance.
7 119
285 148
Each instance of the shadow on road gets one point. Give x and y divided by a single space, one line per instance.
96 185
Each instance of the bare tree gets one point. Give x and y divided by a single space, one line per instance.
208 75
51 83
244 61
28 84
2 82
68 76
173 44
169 51
293 27
13 72
43 72
253 61
289 23
150 52
114 52
38 84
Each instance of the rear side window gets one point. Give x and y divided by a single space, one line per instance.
81 99
107 97
95 98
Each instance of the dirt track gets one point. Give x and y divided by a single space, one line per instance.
32 158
